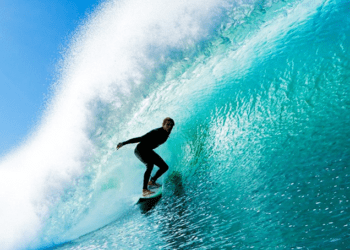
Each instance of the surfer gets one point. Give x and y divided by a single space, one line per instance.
144 152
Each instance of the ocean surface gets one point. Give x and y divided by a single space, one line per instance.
260 153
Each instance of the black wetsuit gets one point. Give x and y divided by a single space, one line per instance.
144 152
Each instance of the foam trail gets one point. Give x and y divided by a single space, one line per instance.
110 57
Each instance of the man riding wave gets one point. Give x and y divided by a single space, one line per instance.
145 153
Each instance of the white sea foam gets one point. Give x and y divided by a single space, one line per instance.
106 61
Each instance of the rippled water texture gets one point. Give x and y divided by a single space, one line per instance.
259 156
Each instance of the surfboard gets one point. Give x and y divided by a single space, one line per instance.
157 194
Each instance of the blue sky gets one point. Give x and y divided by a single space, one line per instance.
32 35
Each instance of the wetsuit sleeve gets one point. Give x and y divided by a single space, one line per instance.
145 137
133 140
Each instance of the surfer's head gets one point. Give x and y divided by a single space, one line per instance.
168 124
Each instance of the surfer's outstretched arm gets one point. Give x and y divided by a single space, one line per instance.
133 140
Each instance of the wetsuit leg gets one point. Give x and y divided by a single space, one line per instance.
160 163
145 157
147 174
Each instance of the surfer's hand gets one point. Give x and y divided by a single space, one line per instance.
119 145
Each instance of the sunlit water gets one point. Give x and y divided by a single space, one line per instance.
259 156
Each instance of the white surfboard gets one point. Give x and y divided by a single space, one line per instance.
157 193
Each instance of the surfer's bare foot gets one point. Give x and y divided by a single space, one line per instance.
153 184
146 192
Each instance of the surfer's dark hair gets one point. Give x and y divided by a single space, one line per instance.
168 119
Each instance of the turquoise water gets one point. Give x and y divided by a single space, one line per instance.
259 156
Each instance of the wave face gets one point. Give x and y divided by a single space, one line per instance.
259 156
